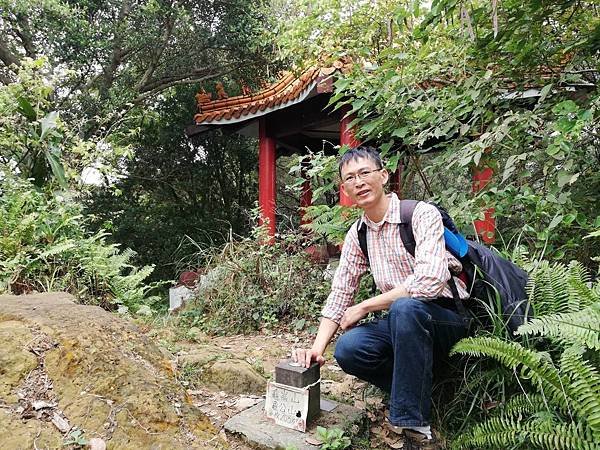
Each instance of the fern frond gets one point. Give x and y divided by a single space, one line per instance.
584 387
581 327
533 365
547 288
57 249
564 436
497 432
525 404
580 293
503 432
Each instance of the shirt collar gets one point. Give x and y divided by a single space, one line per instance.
392 214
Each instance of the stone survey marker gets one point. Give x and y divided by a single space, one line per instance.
292 411
294 397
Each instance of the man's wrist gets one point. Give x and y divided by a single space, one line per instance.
367 306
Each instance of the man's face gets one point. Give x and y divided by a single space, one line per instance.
363 182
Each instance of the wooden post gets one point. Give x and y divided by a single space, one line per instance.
266 179
486 228
348 138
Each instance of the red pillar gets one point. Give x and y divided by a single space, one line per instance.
306 196
348 138
486 228
266 178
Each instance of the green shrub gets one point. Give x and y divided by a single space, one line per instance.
248 286
554 402
44 246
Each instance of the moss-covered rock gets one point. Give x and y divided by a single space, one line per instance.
234 376
106 378
15 360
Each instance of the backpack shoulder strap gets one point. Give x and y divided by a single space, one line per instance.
407 208
361 228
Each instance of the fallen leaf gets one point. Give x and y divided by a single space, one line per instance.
40 404
313 440
394 443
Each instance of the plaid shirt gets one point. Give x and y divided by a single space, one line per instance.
424 275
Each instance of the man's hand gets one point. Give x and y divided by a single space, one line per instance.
306 356
352 315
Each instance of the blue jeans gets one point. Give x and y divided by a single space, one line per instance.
396 354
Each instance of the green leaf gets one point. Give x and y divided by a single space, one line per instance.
26 109
565 107
544 93
552 149
557 219
400 132
48 123
56 166
368 128
565 178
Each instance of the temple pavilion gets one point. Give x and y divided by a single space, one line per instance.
288 117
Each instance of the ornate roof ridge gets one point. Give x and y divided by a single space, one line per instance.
289 89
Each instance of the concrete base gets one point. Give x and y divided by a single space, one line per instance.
263 433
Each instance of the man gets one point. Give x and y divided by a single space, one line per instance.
396 352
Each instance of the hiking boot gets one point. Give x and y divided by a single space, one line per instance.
418 441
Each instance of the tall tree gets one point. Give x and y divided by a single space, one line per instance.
123 54
173 187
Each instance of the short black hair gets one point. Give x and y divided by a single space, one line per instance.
362 152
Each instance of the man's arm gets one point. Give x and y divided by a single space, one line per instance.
327 329
378 303
353 314
345 283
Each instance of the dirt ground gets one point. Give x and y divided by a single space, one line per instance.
71 375
263 351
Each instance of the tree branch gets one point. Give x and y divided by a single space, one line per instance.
6 56
175 81
25 35
118 53
156 55
198 73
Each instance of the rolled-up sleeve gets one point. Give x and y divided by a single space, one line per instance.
431 264
353 265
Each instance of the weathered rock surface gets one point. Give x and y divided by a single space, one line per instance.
66 363
219 369
234 376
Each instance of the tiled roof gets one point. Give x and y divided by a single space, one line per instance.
290 89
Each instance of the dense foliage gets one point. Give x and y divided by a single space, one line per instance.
45 247
174 188
123 76
45 242
555 401
119 56
511 85
248 286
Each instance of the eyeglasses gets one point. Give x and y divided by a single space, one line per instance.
361 175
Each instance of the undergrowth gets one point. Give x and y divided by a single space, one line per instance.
542 391
45 246
248 286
